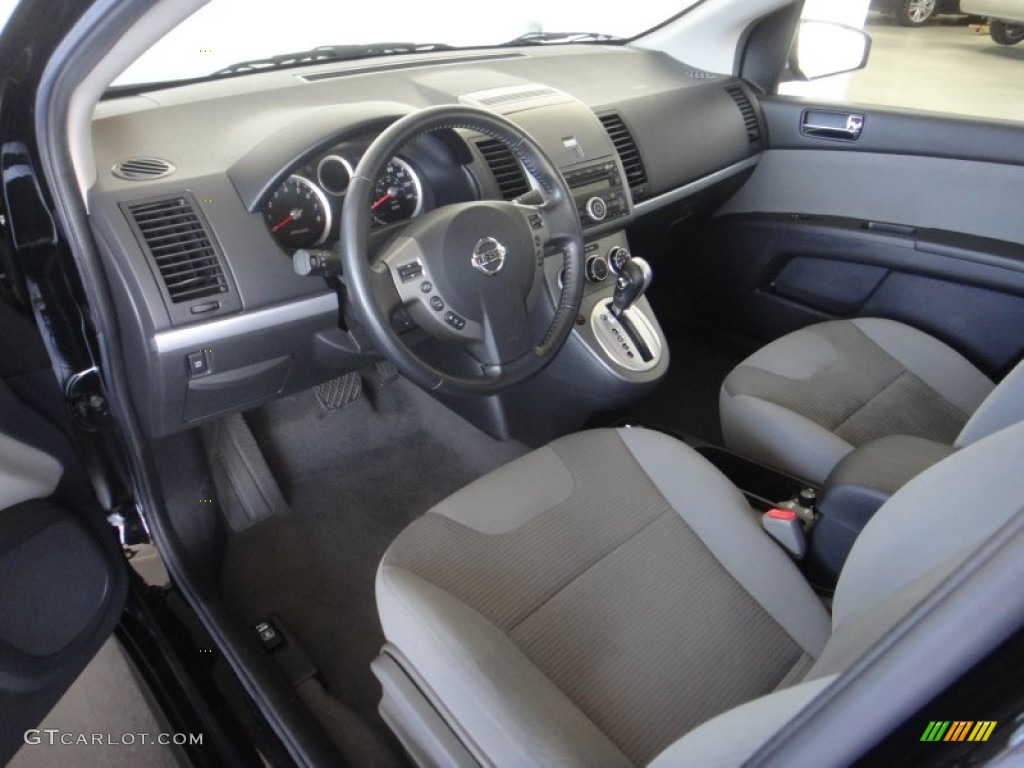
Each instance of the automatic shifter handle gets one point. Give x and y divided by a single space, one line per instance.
633 279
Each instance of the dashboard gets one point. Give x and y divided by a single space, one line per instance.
205 191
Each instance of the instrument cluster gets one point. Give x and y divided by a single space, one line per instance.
304 210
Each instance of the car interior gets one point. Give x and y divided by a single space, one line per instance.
578 404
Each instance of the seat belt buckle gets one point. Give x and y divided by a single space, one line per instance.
785 527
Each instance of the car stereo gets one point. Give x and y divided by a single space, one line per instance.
598 192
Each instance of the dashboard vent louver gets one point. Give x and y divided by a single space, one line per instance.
180 248
747 111
522 95
629 153
142 169
506 169
700 74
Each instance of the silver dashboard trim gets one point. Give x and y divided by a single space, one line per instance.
202 334
646 206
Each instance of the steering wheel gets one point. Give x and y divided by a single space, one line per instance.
469 274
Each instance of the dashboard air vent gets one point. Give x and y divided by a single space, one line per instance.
747 111
142 169
506 169
517 95
180 248
629 153
700 74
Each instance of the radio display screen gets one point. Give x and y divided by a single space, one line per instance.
589 189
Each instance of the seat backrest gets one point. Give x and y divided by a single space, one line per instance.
1003 407
928 528
919 537
25 472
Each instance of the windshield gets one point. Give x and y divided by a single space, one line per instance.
225 32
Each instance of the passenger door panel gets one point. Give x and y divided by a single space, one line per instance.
916 221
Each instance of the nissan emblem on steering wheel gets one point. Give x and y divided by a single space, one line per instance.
489 256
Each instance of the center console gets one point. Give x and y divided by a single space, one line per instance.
598 192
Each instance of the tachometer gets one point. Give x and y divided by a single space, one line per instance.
398 193
298 214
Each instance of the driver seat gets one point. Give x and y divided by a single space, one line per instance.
610 599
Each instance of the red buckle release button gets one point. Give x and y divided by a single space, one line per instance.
780 514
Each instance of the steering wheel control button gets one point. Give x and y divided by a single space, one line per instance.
437 304
455 321
597 269
597 209
536 221
426 286
410 271
489 256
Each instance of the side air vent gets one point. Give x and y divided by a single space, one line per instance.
142 169
177 242
629 153
506 169
747 111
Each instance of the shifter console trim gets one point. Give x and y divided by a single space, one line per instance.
616 341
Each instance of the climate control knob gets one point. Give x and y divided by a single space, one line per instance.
597 209
597 269
617 258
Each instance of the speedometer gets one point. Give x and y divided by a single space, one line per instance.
298 214
398 193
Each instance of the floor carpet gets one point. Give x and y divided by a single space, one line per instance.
353 478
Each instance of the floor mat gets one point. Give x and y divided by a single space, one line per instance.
353 478
686 402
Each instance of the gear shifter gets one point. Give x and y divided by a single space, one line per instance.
633 279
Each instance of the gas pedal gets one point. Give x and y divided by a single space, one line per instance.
387 372
339 392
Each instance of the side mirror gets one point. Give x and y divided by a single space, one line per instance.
824 48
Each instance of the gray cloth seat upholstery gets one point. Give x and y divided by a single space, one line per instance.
610 599
804 401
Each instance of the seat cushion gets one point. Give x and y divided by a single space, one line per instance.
594 601
807 399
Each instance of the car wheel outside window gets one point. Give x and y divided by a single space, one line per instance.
913 13
1006 34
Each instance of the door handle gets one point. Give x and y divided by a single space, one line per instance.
826 124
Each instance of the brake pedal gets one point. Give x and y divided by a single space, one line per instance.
340 392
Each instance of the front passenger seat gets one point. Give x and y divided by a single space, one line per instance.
805 400
611 600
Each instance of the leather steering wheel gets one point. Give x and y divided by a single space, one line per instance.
470 274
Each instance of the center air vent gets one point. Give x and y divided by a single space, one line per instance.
142 169
629 153
747 111
506 169
180 248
